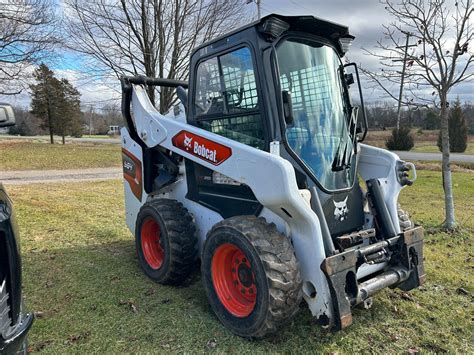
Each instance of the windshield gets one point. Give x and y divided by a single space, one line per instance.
311 72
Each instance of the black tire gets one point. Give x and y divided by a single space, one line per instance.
168 254
274 272
404 219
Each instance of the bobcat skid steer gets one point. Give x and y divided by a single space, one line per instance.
263 177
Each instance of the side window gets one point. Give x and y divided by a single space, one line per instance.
226 100
239 81
209 98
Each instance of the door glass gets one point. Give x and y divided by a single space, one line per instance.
209 97
319 135
239 81
226 98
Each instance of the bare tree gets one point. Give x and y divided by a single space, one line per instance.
440 61
26 35
150 37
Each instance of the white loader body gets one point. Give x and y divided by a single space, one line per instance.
270 177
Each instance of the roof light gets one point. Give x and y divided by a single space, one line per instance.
345 43
273 27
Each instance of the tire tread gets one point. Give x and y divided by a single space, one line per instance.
181 235
281 267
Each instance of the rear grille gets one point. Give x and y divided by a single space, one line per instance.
5 321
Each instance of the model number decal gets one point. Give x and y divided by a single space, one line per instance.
132 173
201 147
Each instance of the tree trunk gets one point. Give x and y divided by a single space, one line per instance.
449 222
51 137
151 94
64 139
165 100
50 119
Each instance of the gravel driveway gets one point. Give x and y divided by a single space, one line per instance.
48 176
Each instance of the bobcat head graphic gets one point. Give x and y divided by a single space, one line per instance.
340 210
187 141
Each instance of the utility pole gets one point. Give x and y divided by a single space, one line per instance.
90 121
408 34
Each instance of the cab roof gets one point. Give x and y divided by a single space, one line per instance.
306 24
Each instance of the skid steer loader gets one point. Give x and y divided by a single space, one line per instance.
261 174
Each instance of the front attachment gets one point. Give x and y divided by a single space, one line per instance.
404 270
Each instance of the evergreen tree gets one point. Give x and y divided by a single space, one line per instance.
44 98
458 129
57 103
401 139
431 121
70 121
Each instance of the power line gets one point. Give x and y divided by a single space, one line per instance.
100 101
302 6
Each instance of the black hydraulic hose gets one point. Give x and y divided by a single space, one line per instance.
126 101
318 209
144 80
382 215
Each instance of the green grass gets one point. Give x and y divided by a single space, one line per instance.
433 148
99 136
81 273
425 141
21 155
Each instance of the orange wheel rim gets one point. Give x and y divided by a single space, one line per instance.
234 280
150 238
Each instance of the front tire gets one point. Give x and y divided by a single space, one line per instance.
165 241
251 276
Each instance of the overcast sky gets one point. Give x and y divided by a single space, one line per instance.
363 17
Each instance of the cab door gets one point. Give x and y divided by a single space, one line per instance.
226 101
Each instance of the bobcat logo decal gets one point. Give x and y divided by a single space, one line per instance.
202 148
340 210
187 142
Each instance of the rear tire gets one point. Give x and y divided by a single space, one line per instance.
165 241
251 276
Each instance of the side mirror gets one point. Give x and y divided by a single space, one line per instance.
287 107
7 116
349 79
357 97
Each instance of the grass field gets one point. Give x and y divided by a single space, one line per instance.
26 155
424 141
82 278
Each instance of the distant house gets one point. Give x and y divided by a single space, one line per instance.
113 131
